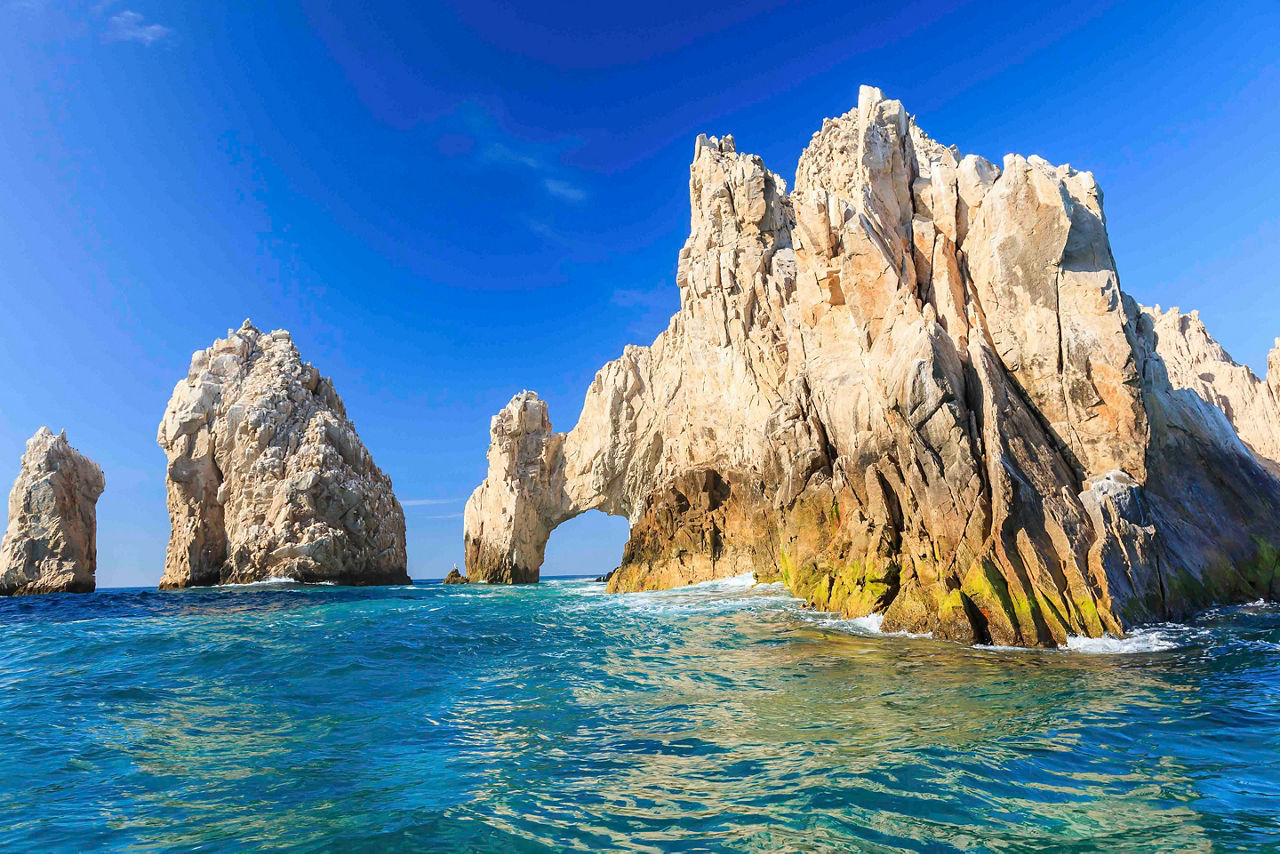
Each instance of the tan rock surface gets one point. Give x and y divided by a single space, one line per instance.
1197 362
912 386
50 545
267 477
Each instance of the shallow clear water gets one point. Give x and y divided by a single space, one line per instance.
557 717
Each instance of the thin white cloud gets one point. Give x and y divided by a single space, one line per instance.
500 152
429 502
509 153
445 516
129 26
564 190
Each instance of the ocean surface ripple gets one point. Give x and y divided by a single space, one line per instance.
555 717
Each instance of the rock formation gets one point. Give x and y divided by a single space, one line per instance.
51 543
267 477
455 577
912 386
1197 362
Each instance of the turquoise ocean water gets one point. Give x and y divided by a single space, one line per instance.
556 717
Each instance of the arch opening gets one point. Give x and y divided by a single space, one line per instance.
589 544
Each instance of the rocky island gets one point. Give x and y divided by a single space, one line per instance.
912 386
50 545
267 478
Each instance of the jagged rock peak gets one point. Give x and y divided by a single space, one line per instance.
267 477
1196 361
50 545
911 387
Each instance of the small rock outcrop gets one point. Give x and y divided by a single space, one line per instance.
455 577
50 545
912 386
267 478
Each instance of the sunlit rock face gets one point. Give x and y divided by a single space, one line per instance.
912 386
50 545
1197 362
267 478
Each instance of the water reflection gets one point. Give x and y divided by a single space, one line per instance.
557 717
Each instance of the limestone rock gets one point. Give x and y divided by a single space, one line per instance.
912 386
455 577
51 542
267 477
1197 362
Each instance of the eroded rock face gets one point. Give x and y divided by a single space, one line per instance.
267 477
509 519
51 542
912 386
1197 362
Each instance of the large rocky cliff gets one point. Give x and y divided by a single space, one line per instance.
50 545
267 477
911 386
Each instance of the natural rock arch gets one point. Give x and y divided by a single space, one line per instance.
911 386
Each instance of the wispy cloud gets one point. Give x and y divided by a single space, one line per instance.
445 516
475 132
564 190
500 152
429 502
129 26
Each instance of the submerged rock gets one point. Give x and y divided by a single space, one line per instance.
910 387
51 542
455 577
267 477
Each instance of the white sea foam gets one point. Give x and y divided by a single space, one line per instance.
716 596
272 582
871 624
737 582
1139 640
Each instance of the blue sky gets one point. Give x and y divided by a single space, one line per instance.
448 203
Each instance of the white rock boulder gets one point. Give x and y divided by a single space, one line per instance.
50 545
267 478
